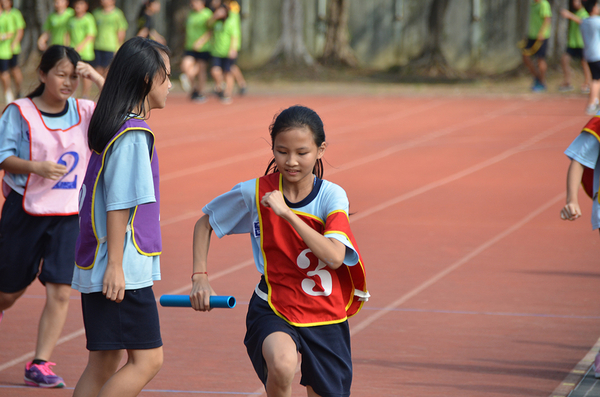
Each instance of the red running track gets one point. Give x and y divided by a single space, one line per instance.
478 288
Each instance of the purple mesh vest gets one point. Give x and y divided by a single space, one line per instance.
145 225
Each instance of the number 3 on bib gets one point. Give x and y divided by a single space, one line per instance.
308 284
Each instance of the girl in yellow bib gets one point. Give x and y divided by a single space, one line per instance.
312 274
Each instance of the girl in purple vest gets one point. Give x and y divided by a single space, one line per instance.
312 274
118 247
43 152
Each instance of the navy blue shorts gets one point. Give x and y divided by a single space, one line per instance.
223 63
25 240
103 58
575 53
198 56
541 53
131 324
326 355
4 65
14 61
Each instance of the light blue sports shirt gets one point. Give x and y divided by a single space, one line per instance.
235 213
590 31
125 182
585 149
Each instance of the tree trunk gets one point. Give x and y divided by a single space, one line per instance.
290 48
432 59
337 42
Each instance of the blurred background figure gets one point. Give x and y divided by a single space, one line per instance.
111 26
19 26
55 27
146 21
196 57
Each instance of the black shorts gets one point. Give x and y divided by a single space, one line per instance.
541 52
326 355
198 56
223 63
4 65
595 69
26 239
575 53
131 324
14 61
103 58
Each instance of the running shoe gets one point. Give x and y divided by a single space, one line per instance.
197 97
226 100
591 109
585 89
243 90
185 82
565 88
40 375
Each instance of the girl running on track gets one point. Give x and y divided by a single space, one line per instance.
44 152
118 248
312 274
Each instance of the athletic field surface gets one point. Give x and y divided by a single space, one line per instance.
478 287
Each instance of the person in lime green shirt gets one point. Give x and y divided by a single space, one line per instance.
7 32
224 50
19 25
81 31
112 26
540 15
234 13
194 64
55 26
575 15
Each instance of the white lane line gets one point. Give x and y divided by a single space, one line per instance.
369 320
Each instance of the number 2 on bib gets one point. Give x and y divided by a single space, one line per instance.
308 284
62 184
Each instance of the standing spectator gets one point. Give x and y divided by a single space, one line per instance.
540 15
7 31
234 13
19 25
112 26
575 15
146 21
224 50
590 30
82 32
194 64
55 27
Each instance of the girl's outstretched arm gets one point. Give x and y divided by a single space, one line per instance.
569 15
86 71
330 251
571 210
113 284
201 289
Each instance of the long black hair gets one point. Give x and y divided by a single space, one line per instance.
53 55
128 83
298 117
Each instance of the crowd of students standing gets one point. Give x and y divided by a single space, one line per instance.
213 39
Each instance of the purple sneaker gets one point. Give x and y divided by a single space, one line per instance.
41 375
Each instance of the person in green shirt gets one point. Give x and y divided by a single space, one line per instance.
196 57
112 26
55 27
575 15
224 50
81 31
234 12
7 32
540 15
19 26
